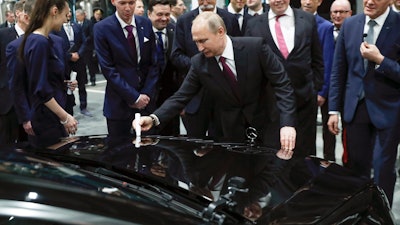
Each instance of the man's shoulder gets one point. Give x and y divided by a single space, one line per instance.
225 14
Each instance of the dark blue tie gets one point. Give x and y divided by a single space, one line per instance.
132 42
160 50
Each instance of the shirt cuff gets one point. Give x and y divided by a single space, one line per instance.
155 119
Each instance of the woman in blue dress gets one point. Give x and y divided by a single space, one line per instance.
45 69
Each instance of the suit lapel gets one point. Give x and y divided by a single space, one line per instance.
216 73
299 27
241 64
384 35
268 35
119 33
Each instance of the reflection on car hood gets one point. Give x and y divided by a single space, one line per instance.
296 191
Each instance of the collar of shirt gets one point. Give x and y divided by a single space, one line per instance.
288 12
395 9
228 51
259 12
231 10
164 31
19 30
380 19
123 24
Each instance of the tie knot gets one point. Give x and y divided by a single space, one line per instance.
279 16
372 23
222 59
159 34
129 28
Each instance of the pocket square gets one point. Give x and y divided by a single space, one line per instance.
146 39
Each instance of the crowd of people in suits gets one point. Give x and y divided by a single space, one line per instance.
222 71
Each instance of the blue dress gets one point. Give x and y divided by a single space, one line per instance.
45 70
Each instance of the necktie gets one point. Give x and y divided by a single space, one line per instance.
279 36
255 14
132 42
160 50
230 77
369 38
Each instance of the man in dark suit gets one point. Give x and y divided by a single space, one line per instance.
74 46
292 34
365 83
255 7
198 113
10 20
236 7
325 34
237 89
87 31
126 49
10 131
177 10
159 12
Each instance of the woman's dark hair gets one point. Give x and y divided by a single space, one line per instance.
37 18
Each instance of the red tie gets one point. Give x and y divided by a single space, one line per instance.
131 41
279 36
230 77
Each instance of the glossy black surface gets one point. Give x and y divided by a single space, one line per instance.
191 181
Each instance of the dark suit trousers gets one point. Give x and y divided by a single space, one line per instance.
9 128
92 65
369 146
81 77
306 129
328 138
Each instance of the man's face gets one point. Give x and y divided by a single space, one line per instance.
160 16
210 44
207 5
253 4
10 17
310 6
375 8
80 17
339 12
125 9
139 8
69 15
179 8
238 4
279 6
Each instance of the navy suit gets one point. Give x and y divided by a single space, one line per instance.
78 46
372 122
9 129
126 80
304 66
183 49
325 33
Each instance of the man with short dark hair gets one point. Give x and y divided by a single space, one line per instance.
159 12
10 19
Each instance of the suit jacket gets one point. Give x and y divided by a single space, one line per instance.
4 25
304 64
236 115
125 80
381 85
184 47
169 80
79 41
325 33
6 36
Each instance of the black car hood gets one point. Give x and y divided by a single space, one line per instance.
297 191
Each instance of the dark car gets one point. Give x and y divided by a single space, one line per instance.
177 180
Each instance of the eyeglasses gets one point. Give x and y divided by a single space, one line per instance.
340 11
